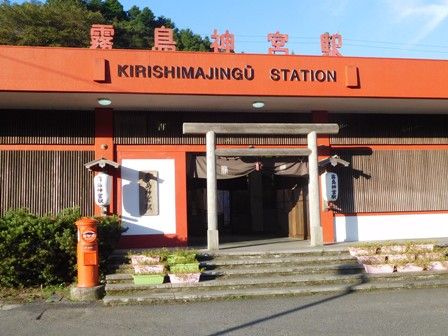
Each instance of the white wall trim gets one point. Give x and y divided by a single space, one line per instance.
390 227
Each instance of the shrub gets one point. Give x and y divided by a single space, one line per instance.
41 250
109 233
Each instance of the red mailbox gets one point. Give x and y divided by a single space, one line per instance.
87 252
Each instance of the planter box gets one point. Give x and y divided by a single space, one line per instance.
423 247
401 258
139 269
438 266
184 268
393 249
148 279
379 268
431 255
409 268
363 251
371 259
185 277
138 259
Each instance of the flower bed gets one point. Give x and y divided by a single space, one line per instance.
394 257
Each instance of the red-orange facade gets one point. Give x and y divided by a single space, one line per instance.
392 115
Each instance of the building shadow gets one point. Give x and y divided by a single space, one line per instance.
346 203
346 291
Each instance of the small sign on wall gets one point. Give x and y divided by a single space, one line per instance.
102 184
330 186
148 193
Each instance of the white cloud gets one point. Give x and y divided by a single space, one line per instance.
431 13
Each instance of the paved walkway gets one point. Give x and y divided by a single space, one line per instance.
409 312
291 244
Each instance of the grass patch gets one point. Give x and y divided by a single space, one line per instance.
31 294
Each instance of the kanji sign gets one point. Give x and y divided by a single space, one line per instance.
163 39
101 36
278 42
223 42
330 44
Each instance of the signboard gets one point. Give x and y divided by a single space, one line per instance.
330 186
102 184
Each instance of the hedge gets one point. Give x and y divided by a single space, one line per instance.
41 250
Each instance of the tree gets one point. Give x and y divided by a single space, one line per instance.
137 32
187 40
67 23
55 23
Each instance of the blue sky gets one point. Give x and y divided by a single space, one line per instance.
377 28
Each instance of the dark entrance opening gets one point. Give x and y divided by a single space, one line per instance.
259 205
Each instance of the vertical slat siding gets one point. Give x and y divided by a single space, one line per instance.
364 129
45 181
146 128
400 180
47 127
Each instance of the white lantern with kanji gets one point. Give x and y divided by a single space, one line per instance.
330 186
102 185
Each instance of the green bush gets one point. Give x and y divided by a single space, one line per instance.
41 250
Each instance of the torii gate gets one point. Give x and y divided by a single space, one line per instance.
211 129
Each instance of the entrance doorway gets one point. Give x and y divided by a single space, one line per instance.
256 206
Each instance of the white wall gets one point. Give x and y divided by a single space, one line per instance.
389 227
165 221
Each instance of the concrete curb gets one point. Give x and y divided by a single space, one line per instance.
87 294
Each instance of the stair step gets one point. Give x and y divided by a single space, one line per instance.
260 259
230 274
261 281
201 295
298 253
122 258
126 283
223 252
278 264
407 276
262 271
278 260
216 295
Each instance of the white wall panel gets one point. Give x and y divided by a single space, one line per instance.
165 221
390 227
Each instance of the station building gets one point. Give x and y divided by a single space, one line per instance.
392 141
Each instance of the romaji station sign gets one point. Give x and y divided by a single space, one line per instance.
101 37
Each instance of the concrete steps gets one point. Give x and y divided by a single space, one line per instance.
236 275
200 295
285 281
